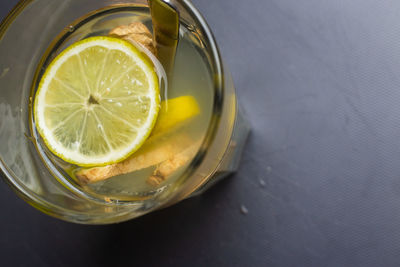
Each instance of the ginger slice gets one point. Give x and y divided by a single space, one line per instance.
152 153
168 167
136 32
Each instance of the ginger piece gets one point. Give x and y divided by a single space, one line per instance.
136 32
152 153
168 167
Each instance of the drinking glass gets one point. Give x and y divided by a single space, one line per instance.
28 36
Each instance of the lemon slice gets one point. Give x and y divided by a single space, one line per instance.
97 102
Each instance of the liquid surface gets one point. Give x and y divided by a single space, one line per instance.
191 77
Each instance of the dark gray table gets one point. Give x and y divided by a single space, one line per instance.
320 175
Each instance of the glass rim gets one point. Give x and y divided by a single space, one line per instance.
218 89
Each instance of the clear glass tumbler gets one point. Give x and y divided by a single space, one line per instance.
28 36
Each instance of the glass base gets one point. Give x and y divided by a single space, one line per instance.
231 160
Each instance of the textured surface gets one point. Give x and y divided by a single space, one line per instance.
319 183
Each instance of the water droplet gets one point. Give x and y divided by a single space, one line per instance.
110 100
99 126
108 89
119 104
243 209
129 92
262 183
71 28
